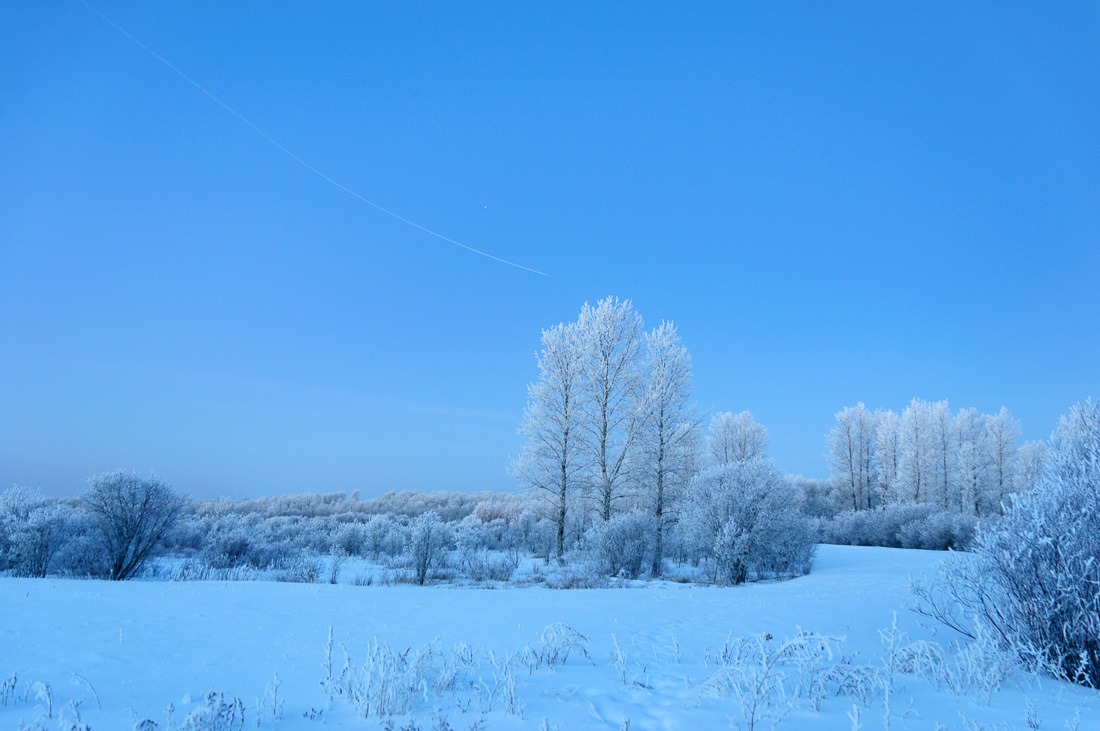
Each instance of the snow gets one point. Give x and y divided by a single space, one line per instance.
125 651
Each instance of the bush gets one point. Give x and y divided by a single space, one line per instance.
351 539
428 539
300 570
1034 581
939 532
478 562
901 526
382 536
33 530
132 515
622 546
744 517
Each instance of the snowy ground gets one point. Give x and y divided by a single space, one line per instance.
115 654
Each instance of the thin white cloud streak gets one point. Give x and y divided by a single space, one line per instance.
282 148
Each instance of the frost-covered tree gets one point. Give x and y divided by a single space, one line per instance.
916 458
744 518
132 515
611 336
851 456
735 438
1034 579
1002 435
667 438
972 462
1032 458
552 457
428 540
942 456
887 427
33 529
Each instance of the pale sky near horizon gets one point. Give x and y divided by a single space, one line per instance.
834 203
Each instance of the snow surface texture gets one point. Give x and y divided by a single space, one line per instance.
228 655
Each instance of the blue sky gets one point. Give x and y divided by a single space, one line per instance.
833 202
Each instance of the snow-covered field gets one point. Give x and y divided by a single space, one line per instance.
115 654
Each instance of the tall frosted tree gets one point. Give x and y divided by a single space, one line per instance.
1032 457
887 431
735 438
611 335
851 455
667 437
972 462
942 446
1003 433
916 462
553 452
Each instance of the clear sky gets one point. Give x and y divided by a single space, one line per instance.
834 203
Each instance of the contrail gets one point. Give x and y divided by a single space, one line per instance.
282 148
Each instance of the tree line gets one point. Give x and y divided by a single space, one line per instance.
609 430
962 462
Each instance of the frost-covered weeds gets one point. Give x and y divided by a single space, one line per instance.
7 689
215 714
391 682
978 667
771 678
269 707
556 643
767 678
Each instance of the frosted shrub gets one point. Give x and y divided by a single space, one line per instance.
480 564
428 539
383 537
132 515
622 546
32 531
336 560
534 533
817 497
1034 580
82 554
351 539
229 545
488 566
901 526
492 534
939 532
301 570
233 541
576 575
744 518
